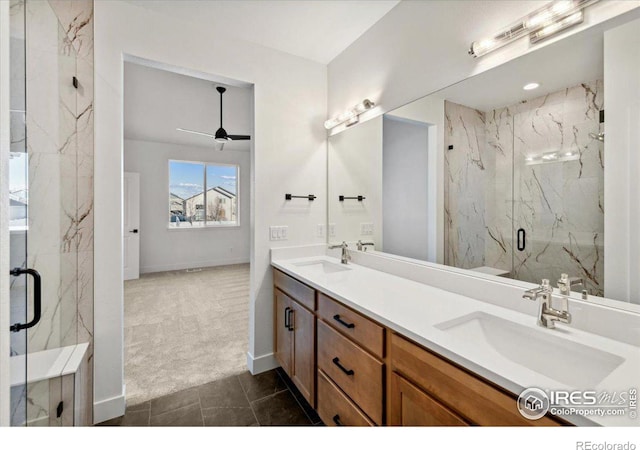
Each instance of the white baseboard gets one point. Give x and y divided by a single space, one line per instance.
261 363
193 265
110 408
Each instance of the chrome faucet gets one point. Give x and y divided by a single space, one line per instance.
363 245
346 256
547 315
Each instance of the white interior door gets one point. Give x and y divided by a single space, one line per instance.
131 228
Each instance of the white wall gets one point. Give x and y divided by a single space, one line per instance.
622 156
430 110
420 47
162 248
4 214
355 164
288 155
404 187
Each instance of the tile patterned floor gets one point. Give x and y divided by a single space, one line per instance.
267 399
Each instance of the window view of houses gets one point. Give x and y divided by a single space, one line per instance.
202 194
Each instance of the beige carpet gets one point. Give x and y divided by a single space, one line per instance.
183 329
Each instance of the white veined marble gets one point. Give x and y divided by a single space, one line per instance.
493 188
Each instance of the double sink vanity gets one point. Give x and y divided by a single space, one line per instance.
493 277
368 343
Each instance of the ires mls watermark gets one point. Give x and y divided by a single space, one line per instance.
534 403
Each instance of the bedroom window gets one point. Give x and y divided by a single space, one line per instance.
203 194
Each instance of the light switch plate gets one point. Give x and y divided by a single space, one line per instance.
278 233
332 230
366 229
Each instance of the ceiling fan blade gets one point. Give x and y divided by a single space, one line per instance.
196 132
238 137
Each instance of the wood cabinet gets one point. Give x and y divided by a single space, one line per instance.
355 326
367 374
283 335
464 394
411 407
335 408
295 332
353 370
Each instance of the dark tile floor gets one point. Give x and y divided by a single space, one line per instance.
266 399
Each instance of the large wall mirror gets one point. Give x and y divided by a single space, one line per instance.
505 173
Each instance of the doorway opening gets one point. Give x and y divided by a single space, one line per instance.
186 230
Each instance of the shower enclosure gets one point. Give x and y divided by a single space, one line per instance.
524 189
51 209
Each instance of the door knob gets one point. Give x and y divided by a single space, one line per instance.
135 230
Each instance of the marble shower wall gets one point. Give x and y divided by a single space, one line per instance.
497 182
468 165
59 142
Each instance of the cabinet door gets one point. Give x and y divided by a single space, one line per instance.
283 333
304 331
413 408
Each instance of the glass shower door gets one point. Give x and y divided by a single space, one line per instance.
18 216
558 173
43 185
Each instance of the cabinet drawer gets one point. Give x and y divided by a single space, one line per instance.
469 396
355 371
352 324
335 408
301 293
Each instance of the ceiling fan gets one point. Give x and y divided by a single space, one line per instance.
221 135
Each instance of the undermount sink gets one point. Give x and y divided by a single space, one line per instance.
322 266
568 362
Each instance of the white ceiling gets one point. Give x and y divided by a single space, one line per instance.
156 102
316 30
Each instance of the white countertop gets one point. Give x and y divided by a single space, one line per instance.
414 309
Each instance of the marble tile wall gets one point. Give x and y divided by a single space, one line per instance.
467 168
59 143
558 201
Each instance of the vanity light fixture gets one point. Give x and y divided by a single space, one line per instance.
556 27
540 24
531 86
351 116
551 157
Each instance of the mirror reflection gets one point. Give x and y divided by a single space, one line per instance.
501 174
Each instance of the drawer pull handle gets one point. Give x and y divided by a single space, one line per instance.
336 361
336 420
286 317
348 325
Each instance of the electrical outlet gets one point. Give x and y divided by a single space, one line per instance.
320 230
285 233
332 230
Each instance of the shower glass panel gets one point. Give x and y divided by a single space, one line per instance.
18 205
524 187
43 217
558 173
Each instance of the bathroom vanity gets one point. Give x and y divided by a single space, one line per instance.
368 348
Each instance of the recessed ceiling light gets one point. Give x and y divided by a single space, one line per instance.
530 86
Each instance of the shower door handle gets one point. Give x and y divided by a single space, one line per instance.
37 298
522 239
